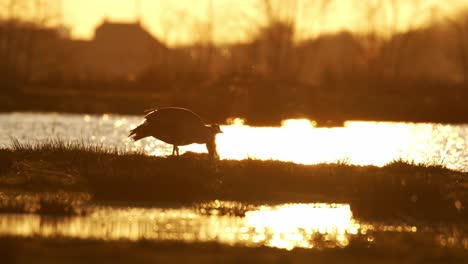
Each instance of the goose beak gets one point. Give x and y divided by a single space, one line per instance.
216 129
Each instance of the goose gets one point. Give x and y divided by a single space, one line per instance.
179 127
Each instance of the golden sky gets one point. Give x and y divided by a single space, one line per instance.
183 21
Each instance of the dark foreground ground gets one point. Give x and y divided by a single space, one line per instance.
60 179
400 190
37 250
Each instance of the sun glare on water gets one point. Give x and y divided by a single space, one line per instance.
295 225
284 226
299 140
360 143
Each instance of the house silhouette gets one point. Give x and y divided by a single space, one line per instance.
117 51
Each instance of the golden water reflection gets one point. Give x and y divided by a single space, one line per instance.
360 143
299 141
299 225
284 226
287 226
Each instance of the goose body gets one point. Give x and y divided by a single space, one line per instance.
179 127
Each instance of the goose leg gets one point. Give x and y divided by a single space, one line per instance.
175 150
212 153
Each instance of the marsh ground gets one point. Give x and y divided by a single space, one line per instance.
398 190
58 178
28 250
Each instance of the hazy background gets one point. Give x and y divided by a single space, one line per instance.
264 60
175 21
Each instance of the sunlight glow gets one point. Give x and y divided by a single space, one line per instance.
182 21
295 225
295 141
360 143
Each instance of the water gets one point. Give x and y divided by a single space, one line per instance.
362 143
190 224
285 226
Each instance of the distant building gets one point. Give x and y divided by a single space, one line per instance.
127 51
117 51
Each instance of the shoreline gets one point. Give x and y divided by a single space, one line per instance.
326 109
399 190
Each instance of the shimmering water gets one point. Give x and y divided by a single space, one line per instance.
284 226
299 141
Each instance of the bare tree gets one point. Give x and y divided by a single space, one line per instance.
382 42
460 53
393 54
315 13
21 23
275 40
10 43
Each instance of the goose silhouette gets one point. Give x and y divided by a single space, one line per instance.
179 127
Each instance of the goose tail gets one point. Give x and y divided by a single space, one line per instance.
139 132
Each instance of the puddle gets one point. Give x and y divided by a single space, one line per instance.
284 226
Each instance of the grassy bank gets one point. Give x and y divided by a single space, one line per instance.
398 190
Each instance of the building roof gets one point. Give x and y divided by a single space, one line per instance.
120 30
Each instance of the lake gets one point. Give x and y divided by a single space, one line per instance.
361 143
